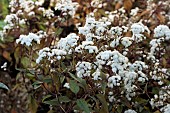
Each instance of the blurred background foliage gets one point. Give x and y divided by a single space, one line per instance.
3 11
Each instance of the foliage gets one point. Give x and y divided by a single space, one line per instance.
103 56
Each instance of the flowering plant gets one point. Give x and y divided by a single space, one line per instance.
113 60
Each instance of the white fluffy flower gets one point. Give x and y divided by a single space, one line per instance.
83 69
138 28
114 81
42 53
27 39
134 12
116 30
162 30
48 13
166 109
87 45
96 75
67 6
66 85
130 111
68 43
126 41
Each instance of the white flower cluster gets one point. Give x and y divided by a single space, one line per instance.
97 4
113 58
134 12
83 69
116 30
166 109
123 70
155 47
68 43
27 5
67 7
96 75
64 46
161 98
129 78
48 13
137 29
47 52
86 45
126 41
130 111
115 42
27 39
161 31
111 97
104 57
12 20
94 29
114 81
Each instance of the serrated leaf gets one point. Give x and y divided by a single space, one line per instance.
74 86
82 104
3 86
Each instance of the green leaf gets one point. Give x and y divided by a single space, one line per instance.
80 80
25 61
45 97
17 54
4 7
155 90
2 24
74 77
141 101
64 99
52 102
82 104
119 109
47 80
103 86
58 31
32 104
126 102
104 103
74 86
3 86
29 75
37 84
50 111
